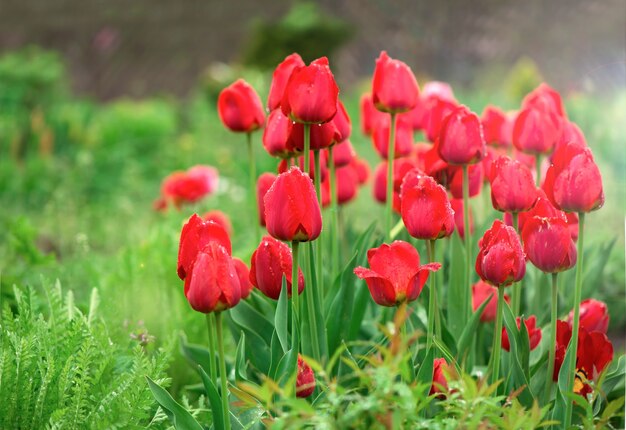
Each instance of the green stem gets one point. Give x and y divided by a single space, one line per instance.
334 216
467 305
223 376
432 299
573 346
307 148
552 352
294 294
497 339
252 185
396 229
309 291
318 245
538 169
390 159
210 323
517 287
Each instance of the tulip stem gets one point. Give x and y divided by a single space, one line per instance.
391 153
252 190
294 294
318 244
333 211
552 352
494 365
468 241
223 375
210 323
395 231
517 290
434 326
538 169
307 148
573 343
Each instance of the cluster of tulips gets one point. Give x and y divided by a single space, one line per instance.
542 176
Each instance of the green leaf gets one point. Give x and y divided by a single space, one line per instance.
252 320
469 332
240 359
178 415
456 287
215 401
518 378
286 367
339 314
281 319
425 373
197 355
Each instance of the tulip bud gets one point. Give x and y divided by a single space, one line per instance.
461 138
220 218
440 384
276 135
512 186
342 122
494 122
548 244
432 90
369 114
545 99
240 108
279 79
437 111
270 262
536 132
190 186
500 260
400 168
534 333
343 153
243 273
481 291
305 379
394 87
459 221
263 184
594 316
395 275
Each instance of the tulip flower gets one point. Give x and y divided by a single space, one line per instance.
534 333
240 108
243 273
594 316
437 111
276 135
369 114
362 169
573 182
188 187
403 139
292 211
501 260
454 178
545 99
536 132
425 209
440 384
270 262
570 132
461 139
321 136
343 153
347 185
342 122
431 91
263 184
310 96
459 217
481 291
280 78
305 379
395 275
512 186
400 168
220 218
494 122
548 244
394 87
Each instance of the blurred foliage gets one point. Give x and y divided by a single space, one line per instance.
218 76
523 77
306 29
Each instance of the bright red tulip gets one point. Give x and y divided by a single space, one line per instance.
369 114
536 132
548 244
263 184
220 218
437 111
276 135
292 211
394 87
270 262
213 283
594 316
240 107
279 79
534 333
343 153
305 379
400 168
500 260
512 186
243 273
545 99
395 275
310 96
426 211
461 139
481 291
321 136
403 138
440 384
494 122
342 122
459 221
190 186
573 182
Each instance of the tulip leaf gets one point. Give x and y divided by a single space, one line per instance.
286 367
469 332
339 314
215 401
197 355
258 349
275 355
248 317
240 359
456 287
281 319
177 414
425 373
518 378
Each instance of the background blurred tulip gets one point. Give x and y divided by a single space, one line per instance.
240 108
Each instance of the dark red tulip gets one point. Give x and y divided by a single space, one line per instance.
369 114
276 135
459 221
534 333
461 139
455 180
512 185
440 384
243 273
403 138
437 111
400 168
283 166
270 262
536 132
190 186
220 218
494 122
395 275
500 260
280 78
342 122
240 108
292 211
343 153
548 244
545 99
321 136
305 379
481 291
426 211
394 87
263 184
594 316
310 96
573 182
195 235
213 283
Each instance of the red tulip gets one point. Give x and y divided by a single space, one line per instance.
362 169
400 168
395 275
347 179
481 291
276 135
440 384
426 211
310 96
342 122
594 316
190 186
494 122
343 153
512 186
500 260
461 139
321 136
369 114
403 145
194 237
240 108
570 132
431 91
459 222
534 333
437 111
545 99
213 283
394 87
455 180
263 184
305 379
535 131
573 182
243 273
548 244
279 79
270 262
292 211
220 218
